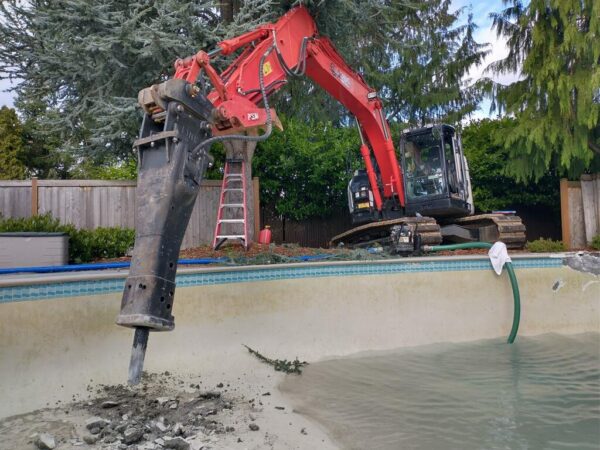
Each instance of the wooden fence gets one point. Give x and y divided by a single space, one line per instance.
313 232
580 210
94 203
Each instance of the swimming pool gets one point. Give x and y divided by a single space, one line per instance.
542 392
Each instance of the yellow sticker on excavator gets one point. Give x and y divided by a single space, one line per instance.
267 69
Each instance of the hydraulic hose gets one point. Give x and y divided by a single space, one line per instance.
511 275
269 123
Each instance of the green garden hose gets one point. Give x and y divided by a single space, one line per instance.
509 270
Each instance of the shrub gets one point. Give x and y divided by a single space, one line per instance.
545 246
595 244
111 242
84 245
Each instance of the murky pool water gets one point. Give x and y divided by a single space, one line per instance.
539 393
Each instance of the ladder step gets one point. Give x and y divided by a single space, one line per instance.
234 180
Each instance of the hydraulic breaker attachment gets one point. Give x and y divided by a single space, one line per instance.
171 165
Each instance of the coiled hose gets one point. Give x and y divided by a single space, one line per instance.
511 276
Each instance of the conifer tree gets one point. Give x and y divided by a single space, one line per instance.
11 145
556 102
88 60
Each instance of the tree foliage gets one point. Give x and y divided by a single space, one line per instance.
414 52
11 145
43 152
304 170
80 63
493 187
87 60
554 44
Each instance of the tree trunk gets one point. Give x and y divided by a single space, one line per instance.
226 7
593 146
236 6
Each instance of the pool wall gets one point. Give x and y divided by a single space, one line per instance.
57 332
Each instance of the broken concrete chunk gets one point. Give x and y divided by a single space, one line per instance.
584 262
176 443
109 404
209 395
109 439
163 400
96 422
148 446
132 435
178 429
204 411
90 439
160 425
45 441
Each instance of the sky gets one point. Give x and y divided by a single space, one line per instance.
480 10
481 16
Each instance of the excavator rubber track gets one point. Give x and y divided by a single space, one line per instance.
497 227
379 232
487 227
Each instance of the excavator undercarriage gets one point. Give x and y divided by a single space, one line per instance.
478 228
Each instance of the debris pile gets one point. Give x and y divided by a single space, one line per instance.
162 412
146 418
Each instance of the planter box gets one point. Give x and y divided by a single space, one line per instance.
33 249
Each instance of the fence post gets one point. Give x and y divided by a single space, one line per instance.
255 187
34 196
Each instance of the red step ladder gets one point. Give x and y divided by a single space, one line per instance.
232 218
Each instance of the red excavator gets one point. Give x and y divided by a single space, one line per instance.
396 201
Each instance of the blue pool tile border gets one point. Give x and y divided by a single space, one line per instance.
204 278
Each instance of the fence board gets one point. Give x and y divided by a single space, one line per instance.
306 233
15 200
97 203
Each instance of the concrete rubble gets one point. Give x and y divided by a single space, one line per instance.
143 418
45 441
137 418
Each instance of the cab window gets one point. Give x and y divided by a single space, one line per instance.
423 166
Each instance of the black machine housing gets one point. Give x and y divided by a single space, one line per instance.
436 179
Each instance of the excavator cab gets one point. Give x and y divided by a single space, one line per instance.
436 179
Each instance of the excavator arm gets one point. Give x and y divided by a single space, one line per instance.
181 123
289 47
